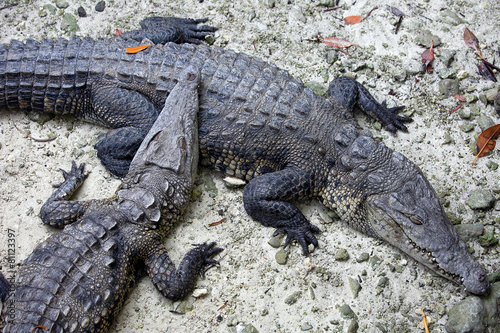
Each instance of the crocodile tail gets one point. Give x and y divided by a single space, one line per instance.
4 292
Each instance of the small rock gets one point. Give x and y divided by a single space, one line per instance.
496 102
363 257
446 73
42 13
400 75
451 17
181 307
281 256
293 298
447 56
468 316
200 292
448 87
243 328
69 23
374 262
62 4
492 165
353 326
467 127
382 283
462 74
209 39
81 12
355 286
276 241
342 255
469 231
487 240
232 182
317 87
480 199
491 94
346 312
425 39
101 5
51 9
464 113
485 122
306 327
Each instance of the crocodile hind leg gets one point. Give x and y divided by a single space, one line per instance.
57 211
265 198
129 113
346 92
176 284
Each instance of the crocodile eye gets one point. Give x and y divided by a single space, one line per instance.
416 219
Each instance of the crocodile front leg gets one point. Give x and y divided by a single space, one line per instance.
57 210
176 284
265 200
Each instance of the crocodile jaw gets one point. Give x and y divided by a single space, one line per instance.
412 220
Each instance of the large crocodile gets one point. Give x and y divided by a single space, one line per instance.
257 123
77 280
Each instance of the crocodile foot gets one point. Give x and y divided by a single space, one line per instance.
303 234
161 30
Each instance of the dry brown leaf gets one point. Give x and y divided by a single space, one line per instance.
427 57
472 42
486 141
460 98
136 49
350 20
339 43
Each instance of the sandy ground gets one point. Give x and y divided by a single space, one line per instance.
250 287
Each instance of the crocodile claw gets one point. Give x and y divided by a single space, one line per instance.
76 172
207 252
304 235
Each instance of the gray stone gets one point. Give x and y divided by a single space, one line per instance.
491 302
448 87
485 122
281 257
488 240
468 316
276 241
425 37
62 4
346 312
467 127
363 257
243 328
464 113
446 73
69 23
496 102
100 6
480 199
51 9
353 326
81 12
469 231
447 56
491 165
318 87
293 298
306 327
342 255
355 286
491 94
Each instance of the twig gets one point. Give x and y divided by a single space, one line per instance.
9 6
35 139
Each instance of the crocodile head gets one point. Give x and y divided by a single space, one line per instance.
383 194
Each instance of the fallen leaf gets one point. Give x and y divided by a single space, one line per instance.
427 57
472 42
118 32
136 49
460 98
456 108
486 141
350 20
339 43
213 224
397 12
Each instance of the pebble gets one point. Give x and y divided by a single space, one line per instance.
81 12
485 122
346 312
353 326
487 240
497 103
363 257
281 256
446 73
342 255
448 87
491 94
467 127
293 298
243 328
181 307
62 4
200 292
480 199
355 286
69 23
425 37
100 6
276 241
464 113
492 165
306 327
469 231
232 182
468 316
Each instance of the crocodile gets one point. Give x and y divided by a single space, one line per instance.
77 280
257 123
